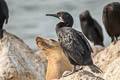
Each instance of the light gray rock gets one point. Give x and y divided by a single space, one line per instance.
82 75
17 60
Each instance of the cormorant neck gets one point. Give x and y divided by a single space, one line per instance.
90 20
62 24
68 24
65 24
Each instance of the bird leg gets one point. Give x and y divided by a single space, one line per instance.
114 40
1 27
1 34
73 71
79 67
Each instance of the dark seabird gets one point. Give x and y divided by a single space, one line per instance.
111 20
91 29
75 46
4 15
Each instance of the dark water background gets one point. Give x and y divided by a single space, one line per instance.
27 17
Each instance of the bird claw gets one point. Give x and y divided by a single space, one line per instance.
80 68
114 42
67 74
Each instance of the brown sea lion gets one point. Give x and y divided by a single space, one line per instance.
57 62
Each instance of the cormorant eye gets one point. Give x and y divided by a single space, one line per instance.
58 14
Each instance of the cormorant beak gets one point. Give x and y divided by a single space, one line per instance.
54 15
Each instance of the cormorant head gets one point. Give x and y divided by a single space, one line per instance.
65 17
84 16
114 6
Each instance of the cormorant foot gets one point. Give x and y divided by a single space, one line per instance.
70 73
73 71
79 67
114 42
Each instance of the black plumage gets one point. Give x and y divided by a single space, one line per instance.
75 46
4 15
91 29
111 20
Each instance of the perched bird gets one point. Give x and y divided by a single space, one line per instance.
111 20
75 46
91 29
4 15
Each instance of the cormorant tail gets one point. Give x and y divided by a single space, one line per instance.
95 69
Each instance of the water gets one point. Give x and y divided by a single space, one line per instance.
27 17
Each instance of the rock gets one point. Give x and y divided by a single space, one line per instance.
108 60
43 59
97 49
82 75
17 60
113 71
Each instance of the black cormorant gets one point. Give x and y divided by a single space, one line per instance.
75 46
111 20
4 15
91 28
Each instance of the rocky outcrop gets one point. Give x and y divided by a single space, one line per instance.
17 60
43 59
108 60
97 49
81 75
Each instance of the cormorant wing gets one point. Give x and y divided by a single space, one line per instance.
74 44
85 41
99 29
5 9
